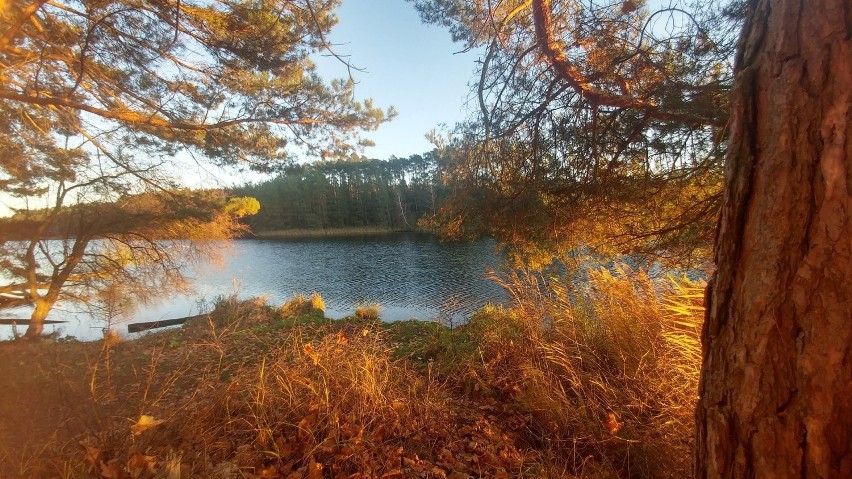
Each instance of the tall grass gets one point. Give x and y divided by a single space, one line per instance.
325 400
608 370
597 380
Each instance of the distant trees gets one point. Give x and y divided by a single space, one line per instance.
97 99
600 123
355 192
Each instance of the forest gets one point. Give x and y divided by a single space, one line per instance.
391 194
607 148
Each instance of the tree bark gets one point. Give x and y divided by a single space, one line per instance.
36 326
61 272
776 388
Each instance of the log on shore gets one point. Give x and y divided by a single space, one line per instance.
26 322
139 327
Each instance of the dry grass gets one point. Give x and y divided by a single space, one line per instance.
368 311
255 392
609 370
592 381
329 399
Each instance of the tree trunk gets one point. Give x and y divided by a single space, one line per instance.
36 326
776 388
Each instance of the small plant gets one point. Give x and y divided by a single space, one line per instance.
298 305
232 311
317 302
368 311
111 337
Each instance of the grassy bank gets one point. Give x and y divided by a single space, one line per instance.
598 383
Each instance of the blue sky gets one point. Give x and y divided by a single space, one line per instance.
407 64
412 66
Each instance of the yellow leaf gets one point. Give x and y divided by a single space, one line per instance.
612 425
144 423
93 453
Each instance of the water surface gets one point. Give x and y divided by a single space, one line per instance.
408 275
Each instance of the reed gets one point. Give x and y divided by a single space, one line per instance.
608 370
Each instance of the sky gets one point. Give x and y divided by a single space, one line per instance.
407 64
415 68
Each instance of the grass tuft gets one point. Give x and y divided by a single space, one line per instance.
368 311
300 305
317 303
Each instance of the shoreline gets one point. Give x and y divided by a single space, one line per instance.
332 232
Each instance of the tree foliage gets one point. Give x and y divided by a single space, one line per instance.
98 98
599 123
230 80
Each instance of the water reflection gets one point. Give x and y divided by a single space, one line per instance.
409 275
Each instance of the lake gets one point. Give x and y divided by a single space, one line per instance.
408 275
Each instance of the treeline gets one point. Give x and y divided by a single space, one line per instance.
353 192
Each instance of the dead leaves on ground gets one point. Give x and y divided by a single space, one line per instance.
350 411
468 443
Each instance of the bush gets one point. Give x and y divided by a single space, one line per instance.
233 311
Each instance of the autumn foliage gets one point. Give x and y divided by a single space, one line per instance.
597 382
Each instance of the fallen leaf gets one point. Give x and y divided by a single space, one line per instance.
303 429
438 472
144 423
93 453
269 472
112 469
314 469
612 425
140 463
